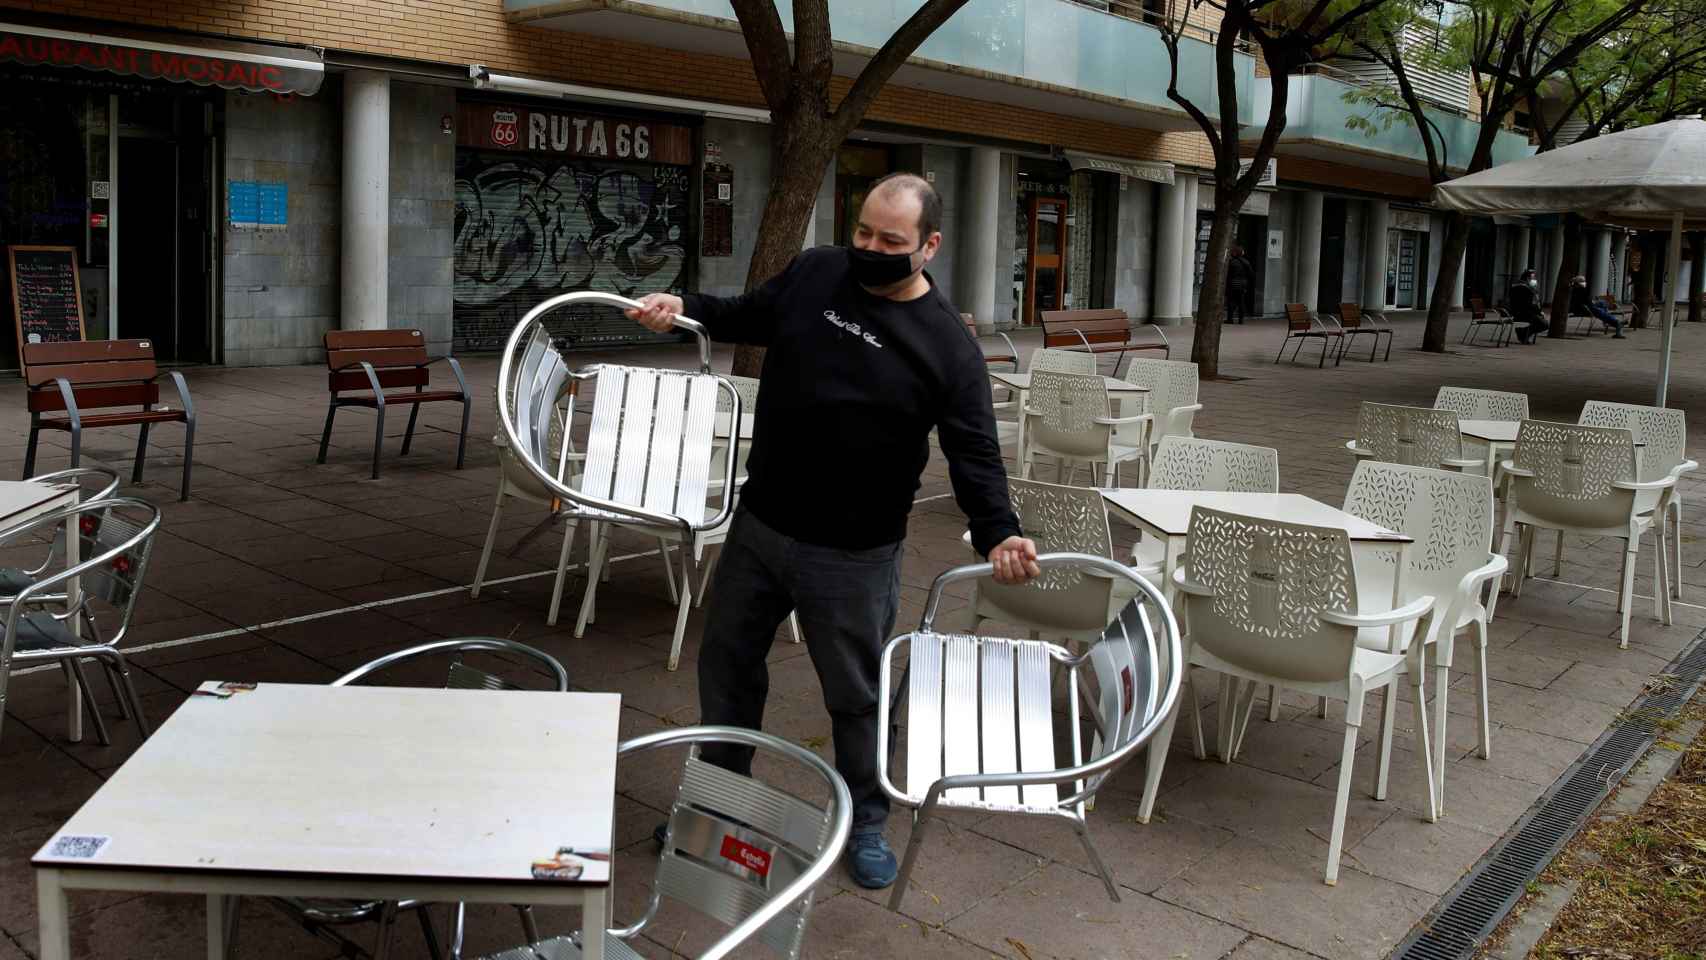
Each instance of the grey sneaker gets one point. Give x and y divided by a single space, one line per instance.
870 861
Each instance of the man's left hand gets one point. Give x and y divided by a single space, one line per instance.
1015 560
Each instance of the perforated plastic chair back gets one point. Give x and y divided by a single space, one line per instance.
1448 515
1192 463
1172 384
1060 519
1068 405
1472 404
1269 583
1575 468
1418 436
1063 361
1662 432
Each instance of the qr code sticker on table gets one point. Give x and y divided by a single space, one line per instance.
78 846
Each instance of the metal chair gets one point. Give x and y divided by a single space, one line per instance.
322 916
1449 516
1417 436
1010 358
648 452
1268 602
743 852
549 404
1501 321
115 536
1066 417
1582 479
1663 434
1302 324
14 579
981 729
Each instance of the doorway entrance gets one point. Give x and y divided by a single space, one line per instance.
164 176
1045 274
1331 279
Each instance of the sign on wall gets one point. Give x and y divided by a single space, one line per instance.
572 133
1276 244
257 206
1409 220
1270 173
233 66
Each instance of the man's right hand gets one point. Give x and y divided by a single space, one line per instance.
657 312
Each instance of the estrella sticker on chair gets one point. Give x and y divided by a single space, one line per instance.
746 855
1127 694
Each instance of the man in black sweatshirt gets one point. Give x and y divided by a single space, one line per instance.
864 357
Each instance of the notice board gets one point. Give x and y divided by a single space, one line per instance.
47 296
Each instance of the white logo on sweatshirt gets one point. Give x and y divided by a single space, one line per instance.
852 328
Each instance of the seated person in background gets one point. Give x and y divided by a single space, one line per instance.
1582 305
1525 307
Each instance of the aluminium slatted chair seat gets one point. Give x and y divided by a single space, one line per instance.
649 447
981 730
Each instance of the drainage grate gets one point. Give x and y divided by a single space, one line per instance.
1488 892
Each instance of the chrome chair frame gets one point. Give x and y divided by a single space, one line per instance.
1135 702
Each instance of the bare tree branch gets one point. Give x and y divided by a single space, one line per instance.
767 44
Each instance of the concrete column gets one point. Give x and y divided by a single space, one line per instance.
978 271
1167 296
1554 262
1599 263
366 199
1374 256
1620 254
1189 191
1519 253
1309 248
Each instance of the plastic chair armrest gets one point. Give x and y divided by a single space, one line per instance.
1462 464
1188 408
1510 467
1351 445
1190 586
1664 484
1686 466
1413 610
1116 421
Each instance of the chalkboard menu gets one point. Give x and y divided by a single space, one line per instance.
47 298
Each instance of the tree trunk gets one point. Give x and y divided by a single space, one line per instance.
1445 285
1697 278
1644 280
1205 344
801 149
1562 283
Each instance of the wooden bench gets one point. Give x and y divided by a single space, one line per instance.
1302 324
1355 320
370 362
990 359
68 379
1097 331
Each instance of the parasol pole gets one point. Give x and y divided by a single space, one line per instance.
1673 262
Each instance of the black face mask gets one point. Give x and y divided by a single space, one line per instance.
874 270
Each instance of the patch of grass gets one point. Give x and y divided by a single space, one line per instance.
1641 878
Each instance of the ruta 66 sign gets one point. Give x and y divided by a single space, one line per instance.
573 134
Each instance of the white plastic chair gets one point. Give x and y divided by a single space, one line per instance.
1472 404
1061 604
1172 386
1193 463
1062 361
648 453
981 725
1579 479
1278 603
1066 417
740 851
1416 436
1449 518
1663 433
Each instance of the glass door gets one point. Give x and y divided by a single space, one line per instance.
1045 278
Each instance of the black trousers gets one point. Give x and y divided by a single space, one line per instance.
846 600
1237 298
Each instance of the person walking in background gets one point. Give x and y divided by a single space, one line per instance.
1239 275
1582 305
1525 307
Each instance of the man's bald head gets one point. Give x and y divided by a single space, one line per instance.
898 185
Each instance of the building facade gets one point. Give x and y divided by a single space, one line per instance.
234 179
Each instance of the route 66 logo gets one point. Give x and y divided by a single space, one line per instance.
504 132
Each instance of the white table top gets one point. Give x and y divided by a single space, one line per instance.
1022 381
20 497
1169 511
1493 431
344 782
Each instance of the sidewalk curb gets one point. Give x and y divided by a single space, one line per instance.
1534 918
